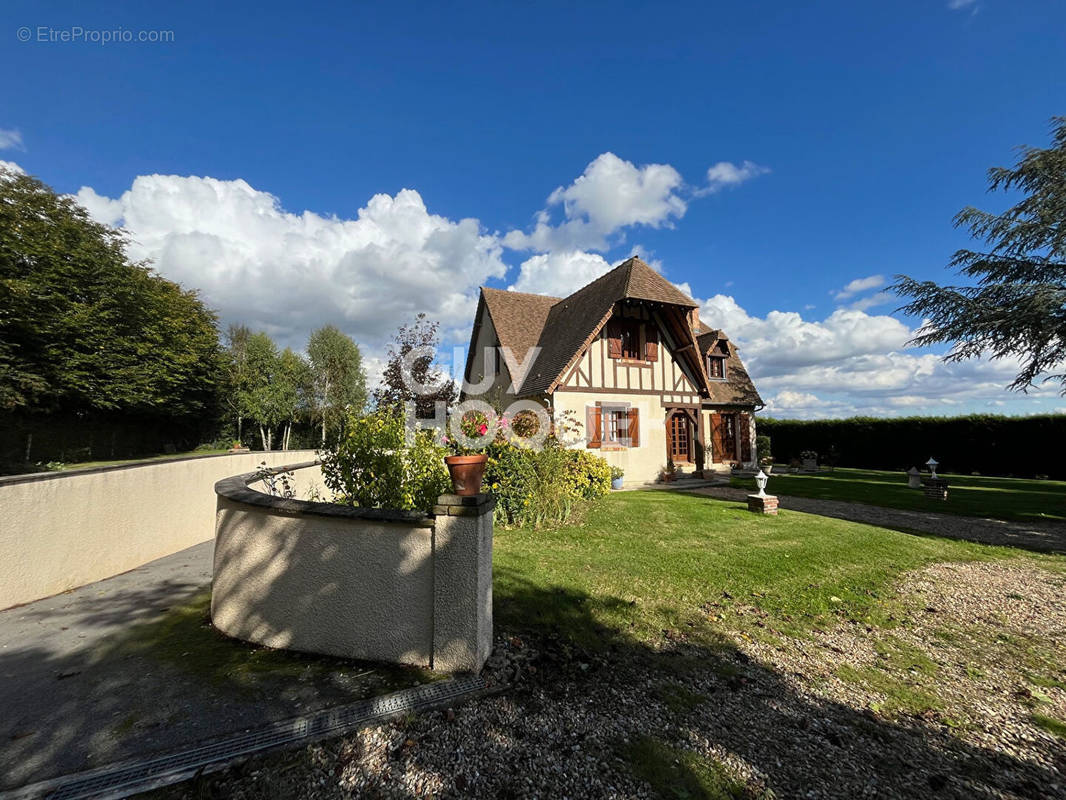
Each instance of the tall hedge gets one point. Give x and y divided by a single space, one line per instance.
983 443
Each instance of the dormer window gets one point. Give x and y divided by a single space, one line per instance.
716 361
629 330
632 340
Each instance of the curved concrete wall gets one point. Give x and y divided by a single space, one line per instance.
371 584
59 530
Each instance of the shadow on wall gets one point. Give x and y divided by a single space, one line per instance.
797 741
316 584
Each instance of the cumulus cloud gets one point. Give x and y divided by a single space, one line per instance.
725 175
11 140
288 273
858 286
559 274
610 195
11 166
852 363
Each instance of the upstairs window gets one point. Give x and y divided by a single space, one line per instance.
629 331
716 368
632 340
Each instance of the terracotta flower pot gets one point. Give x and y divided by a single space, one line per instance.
466 473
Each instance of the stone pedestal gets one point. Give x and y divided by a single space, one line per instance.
914 478
762 504
462 582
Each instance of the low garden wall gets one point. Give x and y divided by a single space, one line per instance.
59 530
374 584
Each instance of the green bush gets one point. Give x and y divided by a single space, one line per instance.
543 487
373 466
762 449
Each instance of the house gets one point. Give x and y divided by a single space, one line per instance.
629 359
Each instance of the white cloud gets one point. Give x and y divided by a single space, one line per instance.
11 166
290 273
858 286
855 363
726 174
102 209
560 273
11 140
610 195
957 5
872 300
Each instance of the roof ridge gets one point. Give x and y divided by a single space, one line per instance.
513 292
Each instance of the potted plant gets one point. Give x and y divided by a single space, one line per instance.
810 459
669 471
616 477
466 464
238 448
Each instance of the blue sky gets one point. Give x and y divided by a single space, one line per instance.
841 137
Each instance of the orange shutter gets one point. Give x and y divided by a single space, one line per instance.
634 428
593 426
651 345
614 340
745 438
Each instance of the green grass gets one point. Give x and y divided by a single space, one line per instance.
645 563
184 638
1050 724
677 698
996 498
675 773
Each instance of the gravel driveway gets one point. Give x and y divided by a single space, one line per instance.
1044 537
774 714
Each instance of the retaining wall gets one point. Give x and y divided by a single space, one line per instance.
59 530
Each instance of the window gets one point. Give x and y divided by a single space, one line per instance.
632 340
630 332
616 426
612 427
716 368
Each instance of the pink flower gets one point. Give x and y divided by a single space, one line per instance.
483 429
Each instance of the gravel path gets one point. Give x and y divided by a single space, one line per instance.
773 713
1045 537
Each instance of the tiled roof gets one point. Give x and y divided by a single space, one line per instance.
563 327
737 388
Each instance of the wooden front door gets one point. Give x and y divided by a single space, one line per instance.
679 437
723 437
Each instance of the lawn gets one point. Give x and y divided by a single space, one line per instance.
1012 499
645 562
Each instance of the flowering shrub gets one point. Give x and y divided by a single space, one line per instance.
545 486
373 466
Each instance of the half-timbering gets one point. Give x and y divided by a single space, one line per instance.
628 357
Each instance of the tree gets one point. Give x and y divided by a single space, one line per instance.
294 390
395 390
83 329
1018 306
264 396
237 374
337 377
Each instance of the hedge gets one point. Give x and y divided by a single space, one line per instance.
983 443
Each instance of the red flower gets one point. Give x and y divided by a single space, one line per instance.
483 429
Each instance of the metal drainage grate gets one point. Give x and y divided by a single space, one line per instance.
126 778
